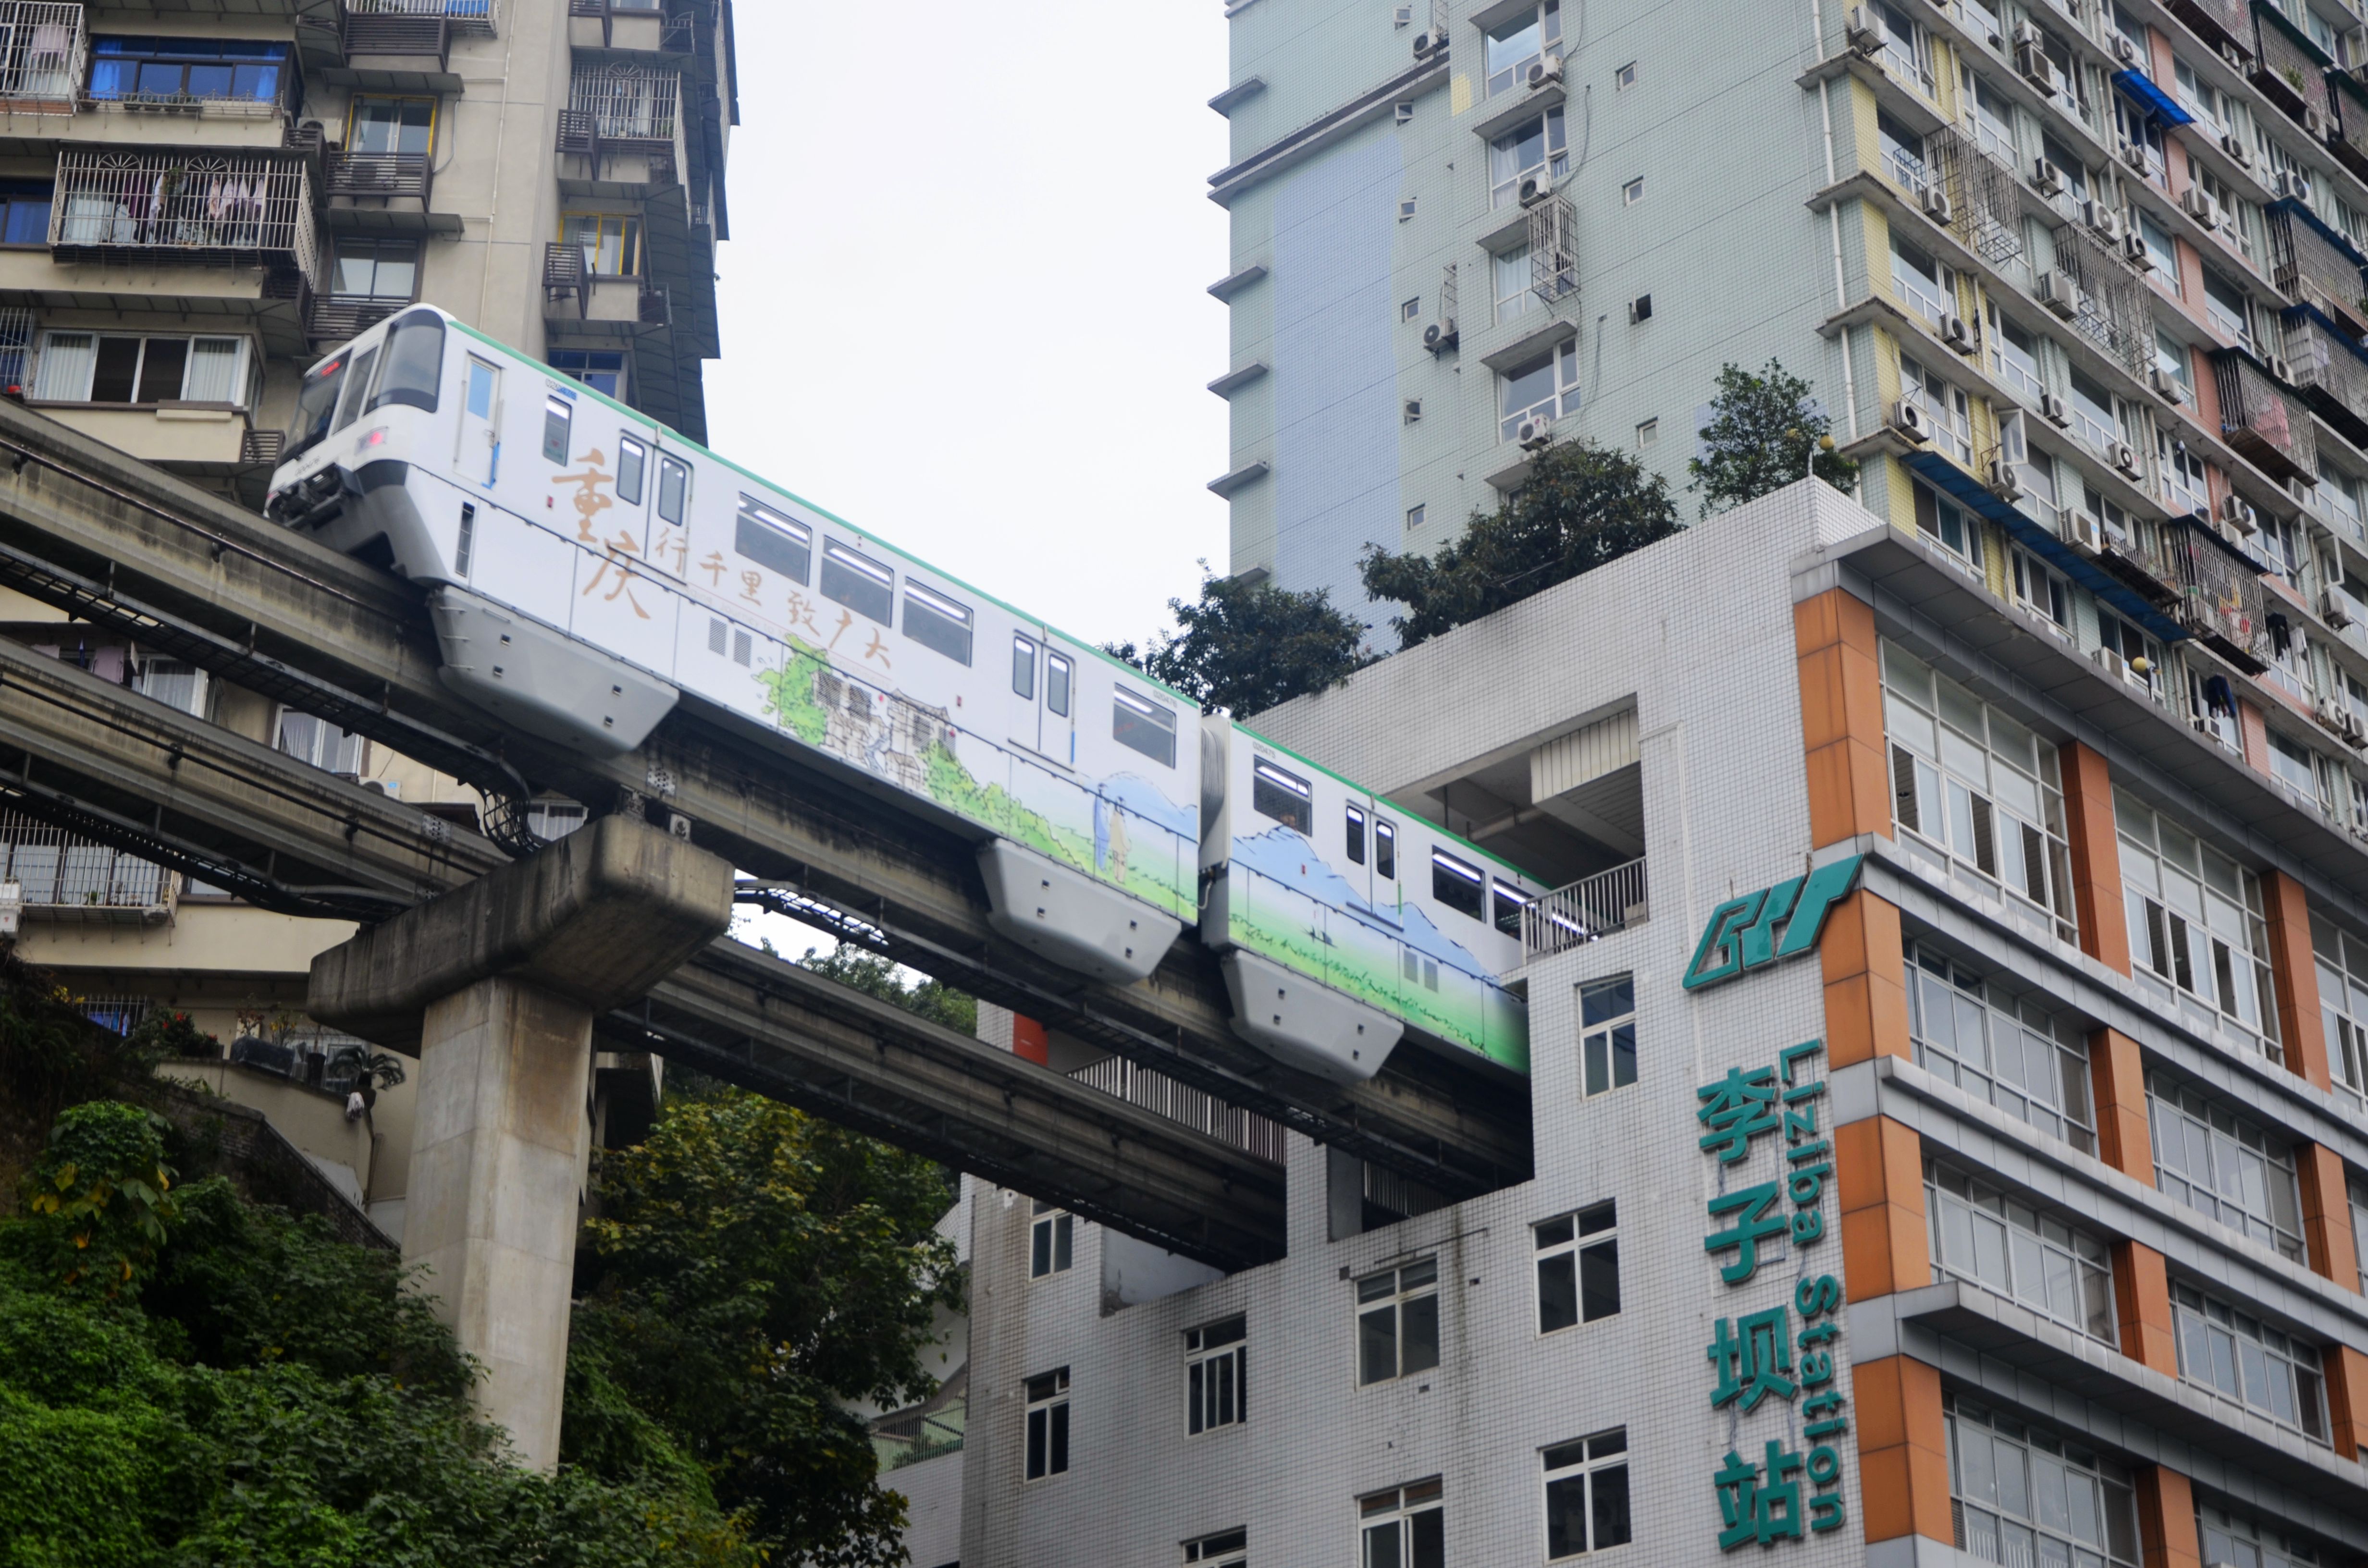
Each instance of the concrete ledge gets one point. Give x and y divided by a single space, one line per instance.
596 918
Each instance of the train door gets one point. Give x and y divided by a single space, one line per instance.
1355 830
1043 696
480 454
668 546
1027 683
633 471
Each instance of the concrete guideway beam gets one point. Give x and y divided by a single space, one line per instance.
496 985
906 885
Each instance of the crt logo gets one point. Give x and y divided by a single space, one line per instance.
1782 922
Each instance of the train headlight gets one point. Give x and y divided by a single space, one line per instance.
373 437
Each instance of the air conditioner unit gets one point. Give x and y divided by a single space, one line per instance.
2314 123
2080 532
2135 251
2052 409
2334 609
1439 336
2239 151
1545 71
2046 178
2280 367
1936 204
1426 44
1536 187
2059 294
1862 32
2125 458
2168 387
2105 219
2134 157
2201 205
1907 417
2005 482
2110 660
1957 335
2125 50
2027 35
1534 434
2037 69
2293 185
2238 514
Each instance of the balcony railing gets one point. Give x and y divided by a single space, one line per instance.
2290 70
1985 199
480 18
149 207
412 35
1162 1095
2331 370
2217 22
2116 309
1587 911
43 51
380 173
66 876
336 317
2312 268
2348 137
627 103
2262 420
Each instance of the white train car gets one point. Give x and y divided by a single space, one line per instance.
1396 922
587 569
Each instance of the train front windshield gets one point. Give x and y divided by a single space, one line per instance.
316 402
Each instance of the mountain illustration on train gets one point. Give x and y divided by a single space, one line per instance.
588 571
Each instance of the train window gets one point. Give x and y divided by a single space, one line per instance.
414 363
716 632
467 547
1057 683
483 379
1356 836
936 621
1386 849
858 582
1459 887
357 385
1023 666
1510 901
1141 724
632 463
557 412
317 403
1286 797
744 647
773 542
673 489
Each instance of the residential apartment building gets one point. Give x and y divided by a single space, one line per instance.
203 200
1948 1135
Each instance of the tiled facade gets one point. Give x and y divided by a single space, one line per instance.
2036 1288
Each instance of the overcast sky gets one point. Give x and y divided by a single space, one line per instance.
962 305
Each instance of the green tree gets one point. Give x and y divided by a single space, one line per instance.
101 1194
1245 647
1762 430
1582 506
751 1270
880 977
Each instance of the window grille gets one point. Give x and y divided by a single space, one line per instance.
201 207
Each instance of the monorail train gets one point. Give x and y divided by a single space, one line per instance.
587 569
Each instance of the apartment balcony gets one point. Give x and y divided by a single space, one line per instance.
184 208
396 52
383 193
2331 370
581 304
1587 911
1982 197
2266 424
643 29
335 318
2220 23
2311 265
2221 600
1162 1095
42 72
622 135
2290 70
2347 137
64 878
463 18
2116 305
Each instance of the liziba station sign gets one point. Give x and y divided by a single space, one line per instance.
1775 1360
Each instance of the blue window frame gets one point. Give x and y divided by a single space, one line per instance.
154 69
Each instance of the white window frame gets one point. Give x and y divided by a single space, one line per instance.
309 738
2017 368
2221 1345
1051 1241
2190 936
2342 963
1589 1463
1545 16
2007 1051
1985 1235
1511 265
1559 403
1505 178
46 387
1414 1519
1216 1375
1566 1244
1605 1016
1226 1549
1982 1518
1393 1291
2248 1180
1047 1413
1948 408
1931 296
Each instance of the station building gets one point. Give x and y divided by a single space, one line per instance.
1948 1138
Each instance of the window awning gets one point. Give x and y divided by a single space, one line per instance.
2139 89
1975 497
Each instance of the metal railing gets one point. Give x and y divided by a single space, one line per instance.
336 317
1587 910
2311 269
2262 420
482 17
64 874
380 173
2348 135
1985 199
147 206
2221 598
1162 1095
2287 69
2331 370
627 103
43 51
2217 21
2116 308
406 33
1553 248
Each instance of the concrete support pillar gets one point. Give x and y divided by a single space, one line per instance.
1842 716
495 988
2327 1214
2117 1084
2142 1299
2096 845
1879 1175
1903 1449
2167 1535
2294 971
